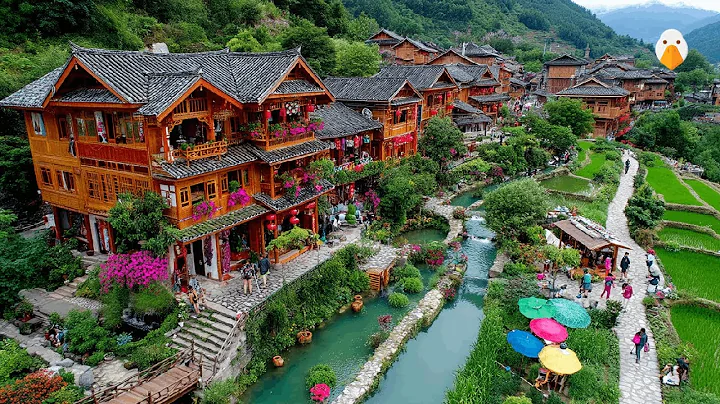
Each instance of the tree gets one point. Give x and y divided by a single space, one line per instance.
694 60
534 20
18 188
400 191
533 66
511 209
442 141
244 41
644 210
141 218
6 221
361 28
560 257
356 59
570 113
557 138
696 79
316 45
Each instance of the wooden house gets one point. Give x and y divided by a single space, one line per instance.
482 54
472 80
385 40
470 119
452 57
490 104
502 74
435 83
716 92
393 102
413 52
202 130
644 86
518 88
607 102
626 59
562 72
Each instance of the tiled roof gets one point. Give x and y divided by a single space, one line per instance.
495 70
471 119
421 77
543 93
459 74
599 89
341 121
297 86
388 32
163 89
486 82
456 53
100 95
518 82
463 106
33 95
490 98
566 60
405 101
236 155
418 45
656 80
223 222
364 88
475 50
289 152
143 77
289 200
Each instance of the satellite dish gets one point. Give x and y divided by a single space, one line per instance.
367 113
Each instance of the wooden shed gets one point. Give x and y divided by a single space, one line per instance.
593 241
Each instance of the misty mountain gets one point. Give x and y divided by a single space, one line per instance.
648 22
705 39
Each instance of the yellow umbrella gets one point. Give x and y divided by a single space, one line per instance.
559 360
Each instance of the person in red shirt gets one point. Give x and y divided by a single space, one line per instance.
609 283
627 294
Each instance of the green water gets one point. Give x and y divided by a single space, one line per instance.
464 199
426 368
567 183
424 236
340 344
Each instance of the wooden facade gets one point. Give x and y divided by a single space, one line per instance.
609 104
410 52
562 72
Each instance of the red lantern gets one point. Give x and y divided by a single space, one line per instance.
449 107
271 226
293 212
268 115
294 220
310 205
310 108
283 112
271 217
358 168
433 112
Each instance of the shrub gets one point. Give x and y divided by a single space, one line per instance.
512 269
320 374
131 270
149 355
83 332
535 396
412 285
90 287
15 361
376 339
350 217
407 271
94 359
517 400
397 299
644 210
609 173
114 303
154 299
32 389
358 281
67 395
554 399
606 318
459 213
220 392
584 384
613 155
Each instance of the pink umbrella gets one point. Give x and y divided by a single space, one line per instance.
548 329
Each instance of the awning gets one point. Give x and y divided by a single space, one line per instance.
593 243
223 222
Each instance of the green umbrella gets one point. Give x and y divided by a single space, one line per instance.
570 314
532 307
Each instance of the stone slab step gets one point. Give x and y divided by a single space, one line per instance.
218 318
214 332
213 349
221 310
184 344
200 334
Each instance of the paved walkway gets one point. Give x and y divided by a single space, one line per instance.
639 383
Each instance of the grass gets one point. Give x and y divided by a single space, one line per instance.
695 325
664 181
596 162
699 219
707 193
567 183
690 238
595 211
583 147
694 272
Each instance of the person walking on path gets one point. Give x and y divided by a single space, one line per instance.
627 294
624 265
640 339
586 286
608 265
264 265
247 272
650 258
609 284
627 165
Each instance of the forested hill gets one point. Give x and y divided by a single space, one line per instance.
705 39
449 21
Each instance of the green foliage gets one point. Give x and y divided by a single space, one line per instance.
692 272
515 206
534 20
517 400
692 324
397 299
16 362
350 217
153 299
220 392
662 130
66 395
412 285
148 355
294 238
664 181
317 47
693 61
696 79
320 373
644 210
442 141
83 332
141 218
7 219
114 302
685 394
705 192
554 398
90 287
356 59
358 281
401 190
568 112
406 271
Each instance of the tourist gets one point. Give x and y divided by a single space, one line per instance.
586 283
627 294
609 284
336 223
627 165
192 295
683 368
264 265
650 258
608 265
624 265
640 339
247 272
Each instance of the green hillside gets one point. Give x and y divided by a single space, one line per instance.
705 39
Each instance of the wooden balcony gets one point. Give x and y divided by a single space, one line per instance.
202 151
270 140
190 108
650 95
607 112
400 129
266 188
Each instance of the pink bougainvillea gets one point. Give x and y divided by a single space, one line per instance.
204 208
239 197
373 198
130 270
320 392
225 237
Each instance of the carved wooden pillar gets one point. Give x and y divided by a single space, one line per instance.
89 232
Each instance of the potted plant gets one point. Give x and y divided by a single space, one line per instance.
109 356
24 311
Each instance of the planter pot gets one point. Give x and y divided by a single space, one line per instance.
109 356
278 361
357 305
304 337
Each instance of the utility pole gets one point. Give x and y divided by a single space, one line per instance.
545 47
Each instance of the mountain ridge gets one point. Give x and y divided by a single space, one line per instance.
705 40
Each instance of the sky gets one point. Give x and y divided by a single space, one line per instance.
599 5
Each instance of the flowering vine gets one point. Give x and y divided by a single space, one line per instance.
320 392
130 270
208 250
373 198
225 238
204 208
238 197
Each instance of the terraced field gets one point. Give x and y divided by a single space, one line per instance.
693 272
596 162
664 181
706 193
690 238
699 219
698 325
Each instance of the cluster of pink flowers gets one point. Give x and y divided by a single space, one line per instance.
320 392
130 270
239 197
225 237
204 208
373 198
313 126
318 188
449 294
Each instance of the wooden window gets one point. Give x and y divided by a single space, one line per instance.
224 183
400 118
46 176
93 185
168 192
109 126
197 192
245 178
184 197
234 176
126 185
65 181
128 129
63 128
211 190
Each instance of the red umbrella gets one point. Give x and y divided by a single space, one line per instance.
549 329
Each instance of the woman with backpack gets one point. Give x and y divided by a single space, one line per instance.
247 272
640 340
609 283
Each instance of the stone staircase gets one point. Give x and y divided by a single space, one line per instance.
209 332
67 291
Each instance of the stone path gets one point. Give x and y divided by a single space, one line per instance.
437 206
639 383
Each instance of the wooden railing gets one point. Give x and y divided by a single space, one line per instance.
152 372
224 351
201 151
401 129
190 106
606 112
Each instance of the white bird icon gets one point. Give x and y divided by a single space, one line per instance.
671 49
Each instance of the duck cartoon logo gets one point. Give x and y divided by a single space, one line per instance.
671 49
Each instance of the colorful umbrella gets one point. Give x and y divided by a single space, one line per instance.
532 307
559 360
525 343
549 329
570 314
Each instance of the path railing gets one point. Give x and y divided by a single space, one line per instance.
224 352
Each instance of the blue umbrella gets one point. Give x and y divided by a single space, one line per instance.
525 343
